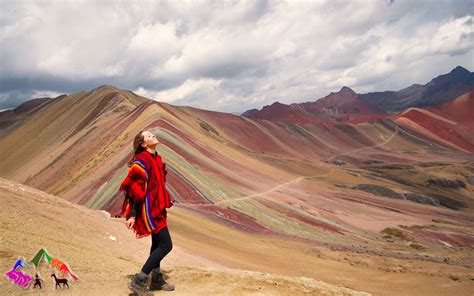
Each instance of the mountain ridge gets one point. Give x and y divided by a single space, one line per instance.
439 90
391 188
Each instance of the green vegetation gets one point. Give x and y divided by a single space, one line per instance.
393 232
378 190
413 227
207 127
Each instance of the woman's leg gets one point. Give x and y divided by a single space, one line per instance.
163 245
154 244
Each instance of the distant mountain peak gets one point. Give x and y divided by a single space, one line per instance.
106 87
277 104
250 113
345 95
441 89
458 74
459 69
347 90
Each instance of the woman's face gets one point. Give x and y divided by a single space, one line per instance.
149 140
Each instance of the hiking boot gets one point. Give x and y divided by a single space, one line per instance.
158 282
138 286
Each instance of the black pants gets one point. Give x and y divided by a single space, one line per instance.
161 245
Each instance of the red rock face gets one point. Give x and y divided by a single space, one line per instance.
283 113
341 106
447 123
460 110
450 122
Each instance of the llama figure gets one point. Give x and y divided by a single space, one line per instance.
59 282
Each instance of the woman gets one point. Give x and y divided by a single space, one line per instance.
145 205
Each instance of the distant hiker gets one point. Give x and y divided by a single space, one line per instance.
37 282
145 204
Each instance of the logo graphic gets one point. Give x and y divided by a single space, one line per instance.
23 280
17 277
37 281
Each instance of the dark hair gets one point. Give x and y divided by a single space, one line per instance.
137 147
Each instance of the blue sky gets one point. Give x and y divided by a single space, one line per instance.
228 56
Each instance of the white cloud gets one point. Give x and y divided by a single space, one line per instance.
45 94
188 88
154 42
231 56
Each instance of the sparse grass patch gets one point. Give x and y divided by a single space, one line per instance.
207 127
442 221
453 277
416 227
393 232
417 246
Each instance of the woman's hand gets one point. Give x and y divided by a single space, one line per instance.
130 222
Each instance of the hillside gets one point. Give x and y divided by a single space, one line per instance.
450 123
381 194
209 257
97 249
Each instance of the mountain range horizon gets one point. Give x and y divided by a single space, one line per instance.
344 184
370 97
440 89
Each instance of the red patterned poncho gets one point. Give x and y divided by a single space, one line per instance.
145 186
